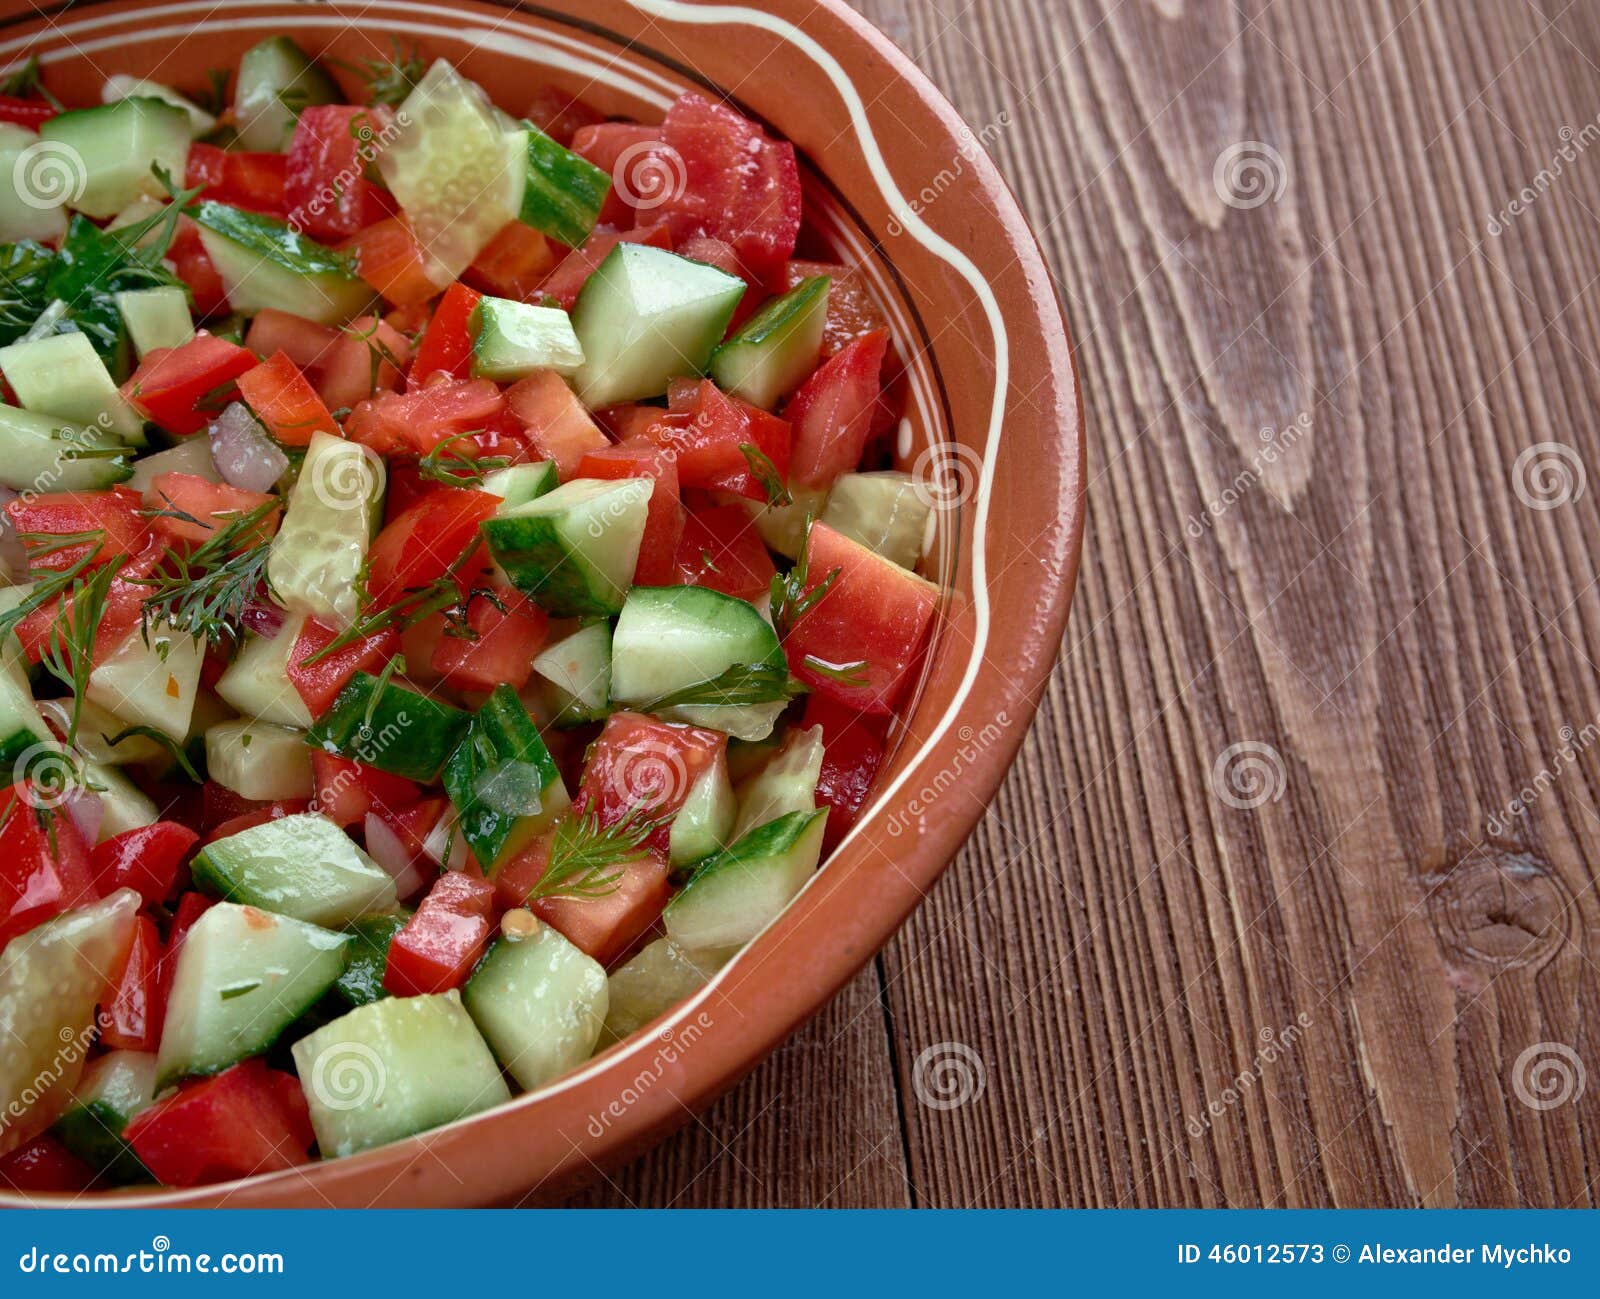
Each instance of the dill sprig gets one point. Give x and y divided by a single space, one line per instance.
175 751
390 80
791 601
585 855
455 466
26 82
742 685
68 651
51 584
203 592
766 473
379 352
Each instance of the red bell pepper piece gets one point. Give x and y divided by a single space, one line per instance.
722 551
44 1164
347 790
389 258
254 181
115 513
514 263
418 420
248 1119
325 187
852 751
144 859
510 629
831 414
663 527
171 381
447 341
444 938
131 1020
31 113
210 505
45 867
284 400
420 546
875 613
319 683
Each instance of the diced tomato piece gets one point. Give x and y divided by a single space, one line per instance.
303 341
325 186
852 751
44 1164
423 543
170 383
121 614
703 248
710 443
144 859
369 357
254 181
446 346
831 414
389 258
319 683
193 266
578 265
260 816
658 549
606 927
508 638
248 1119
45 868
558 114
31 113
631 154
514 264
116 513
191 906
444 938
556 422
418 420
347 790
131 1020
284 400
642 766
630 421
722 551
874 613
852 313
739 186
211 506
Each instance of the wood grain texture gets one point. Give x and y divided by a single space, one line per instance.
1351 963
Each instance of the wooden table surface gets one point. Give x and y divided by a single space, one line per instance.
1290 898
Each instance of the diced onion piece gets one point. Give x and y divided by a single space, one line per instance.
244 455
384 846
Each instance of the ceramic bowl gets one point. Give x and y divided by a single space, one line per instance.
896 182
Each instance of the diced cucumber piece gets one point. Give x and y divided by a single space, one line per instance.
257 681
152 683
737 893
26 207
190 456
265 263
391 726
38 453
653 982
316 559
243 976
887 512
276 80
21 723
669 638
259 760
777 347
782 527
114 1090
646 317
115 149
119 85
574 549
51 979
63 376
519 484
578 668
786 784
540 1003
95 728
123 805
502 781
301 866
394 1068
704 823
362 980
157 317
454 168
564 191
513 339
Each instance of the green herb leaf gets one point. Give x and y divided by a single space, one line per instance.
585 856
179 754
204 592
742 685
766 473
791 601
25 82
243 987
844 674
457 466
68 652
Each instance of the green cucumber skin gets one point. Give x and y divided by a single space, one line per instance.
93 1132
502 743
267 70
777 347
389 727
564 192
273 240
536 559
733 896
362 980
